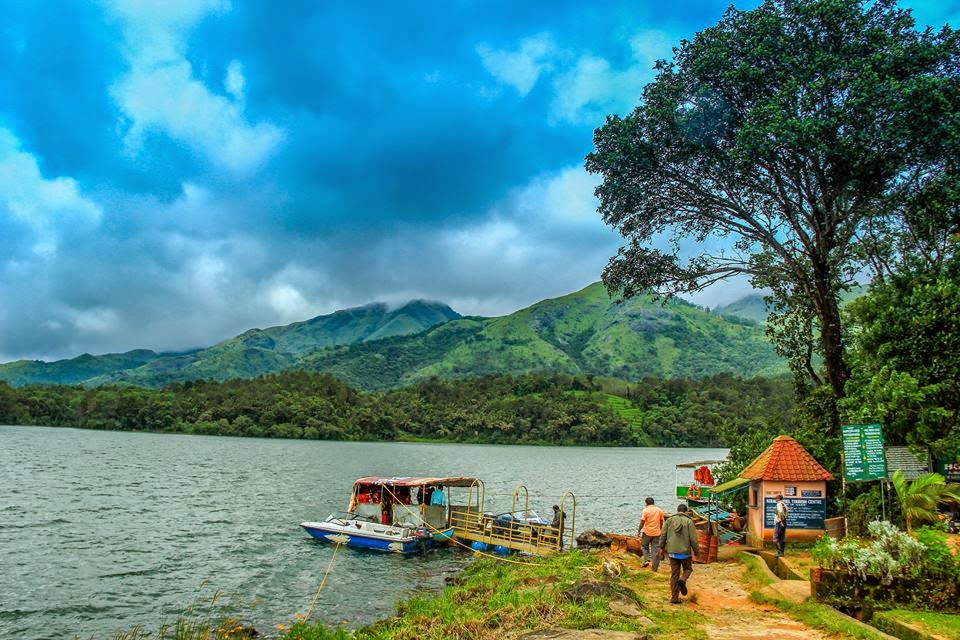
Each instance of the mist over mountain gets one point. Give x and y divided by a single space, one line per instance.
376 347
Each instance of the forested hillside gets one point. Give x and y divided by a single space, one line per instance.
250 354
584 333
526 409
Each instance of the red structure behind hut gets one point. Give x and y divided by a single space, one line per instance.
786 468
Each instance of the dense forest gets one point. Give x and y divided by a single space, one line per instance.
526 409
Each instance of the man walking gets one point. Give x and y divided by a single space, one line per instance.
780 525
679 542
651 523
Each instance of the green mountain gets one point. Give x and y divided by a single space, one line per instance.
250 354
582 333
374 348
750 307
74 370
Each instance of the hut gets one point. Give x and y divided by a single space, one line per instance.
786 468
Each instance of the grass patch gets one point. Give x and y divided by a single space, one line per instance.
943 624
756 575
493 598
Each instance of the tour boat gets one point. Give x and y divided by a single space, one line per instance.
398 515
699 490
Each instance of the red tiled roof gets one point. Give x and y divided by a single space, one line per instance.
785 459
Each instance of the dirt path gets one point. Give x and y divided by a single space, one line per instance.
716 592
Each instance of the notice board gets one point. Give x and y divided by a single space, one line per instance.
863 455
802 513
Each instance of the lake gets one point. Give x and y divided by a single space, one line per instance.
102 530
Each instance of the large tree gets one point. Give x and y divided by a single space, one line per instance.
816 141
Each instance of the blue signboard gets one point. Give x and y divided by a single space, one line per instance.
802 513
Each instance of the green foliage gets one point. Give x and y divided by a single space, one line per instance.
920 498
819 136
906 357
938 559
888 554
528 409
862 509
584 333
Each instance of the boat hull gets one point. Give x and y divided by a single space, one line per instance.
373 537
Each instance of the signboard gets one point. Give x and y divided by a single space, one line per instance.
863 455
802 513
949 470
907 461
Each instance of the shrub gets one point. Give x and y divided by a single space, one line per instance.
888 554
938 561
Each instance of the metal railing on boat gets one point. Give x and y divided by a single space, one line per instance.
473 525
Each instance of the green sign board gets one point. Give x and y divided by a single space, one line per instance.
863 456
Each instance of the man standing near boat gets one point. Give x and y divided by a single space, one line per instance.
651 523
679 542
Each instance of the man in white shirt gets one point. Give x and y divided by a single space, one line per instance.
780 525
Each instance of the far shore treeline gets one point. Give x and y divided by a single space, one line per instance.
500 409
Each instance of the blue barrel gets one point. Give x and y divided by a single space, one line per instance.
477 545
501 550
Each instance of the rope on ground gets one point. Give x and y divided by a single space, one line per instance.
432 529
323 581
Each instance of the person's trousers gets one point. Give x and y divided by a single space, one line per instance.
780 537
651 549
676 576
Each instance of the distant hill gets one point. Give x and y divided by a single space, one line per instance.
750 307
582 333
250 354
73 371
375 348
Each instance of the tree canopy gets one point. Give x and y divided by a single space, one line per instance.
813 140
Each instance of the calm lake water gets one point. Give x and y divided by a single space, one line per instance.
100 531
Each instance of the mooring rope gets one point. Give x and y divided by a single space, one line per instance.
323 581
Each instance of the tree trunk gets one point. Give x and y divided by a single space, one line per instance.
831 341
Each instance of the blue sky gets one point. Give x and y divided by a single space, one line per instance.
173 172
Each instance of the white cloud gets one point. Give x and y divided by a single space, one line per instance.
160 92
564 196
592 87
95 320
288 302
43 204
234 82
522 67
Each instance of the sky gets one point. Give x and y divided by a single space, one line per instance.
174 172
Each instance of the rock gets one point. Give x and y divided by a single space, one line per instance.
612 568
591 538
644 621
582 634
587 589
625 608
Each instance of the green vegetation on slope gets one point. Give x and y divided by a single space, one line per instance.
371 348
75 370
526 409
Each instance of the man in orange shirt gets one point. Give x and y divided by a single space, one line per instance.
651 521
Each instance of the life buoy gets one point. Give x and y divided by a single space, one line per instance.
693 491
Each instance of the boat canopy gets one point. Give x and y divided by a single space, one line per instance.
411 481
730 486
698 463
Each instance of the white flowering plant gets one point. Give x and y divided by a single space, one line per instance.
887 554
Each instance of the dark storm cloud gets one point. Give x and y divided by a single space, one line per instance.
173 172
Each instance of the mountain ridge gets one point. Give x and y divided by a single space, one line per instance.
585 332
